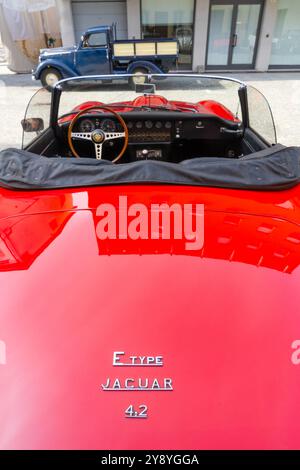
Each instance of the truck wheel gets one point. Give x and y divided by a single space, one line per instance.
138 77
49 77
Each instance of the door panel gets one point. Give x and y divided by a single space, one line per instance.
92 61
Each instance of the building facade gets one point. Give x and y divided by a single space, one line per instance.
213 35
27 27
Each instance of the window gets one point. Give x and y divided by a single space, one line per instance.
95 40
171 19
286 38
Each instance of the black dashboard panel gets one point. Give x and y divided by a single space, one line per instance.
200 128
149 130
172 127
163 135
162 126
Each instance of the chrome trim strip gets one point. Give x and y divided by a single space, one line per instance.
137 389
137 365
144 417
149 75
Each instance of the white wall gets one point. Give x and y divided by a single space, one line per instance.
266 36
66 22
200 34
134 19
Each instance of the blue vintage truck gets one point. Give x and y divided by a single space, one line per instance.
99 52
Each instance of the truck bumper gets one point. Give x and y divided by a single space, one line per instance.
33 74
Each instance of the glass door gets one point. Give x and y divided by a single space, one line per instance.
233 33
219 35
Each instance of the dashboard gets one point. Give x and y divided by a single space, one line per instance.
139 130
152 135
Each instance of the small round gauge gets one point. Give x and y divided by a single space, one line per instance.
86 125
108 125
130 124
149 124
158 124
168 124
139 125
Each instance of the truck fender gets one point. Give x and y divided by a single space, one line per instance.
63 69
149 66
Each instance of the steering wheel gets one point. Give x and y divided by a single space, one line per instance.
98 136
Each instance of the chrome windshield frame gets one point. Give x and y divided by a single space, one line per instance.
58 88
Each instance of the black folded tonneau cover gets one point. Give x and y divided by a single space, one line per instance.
275 168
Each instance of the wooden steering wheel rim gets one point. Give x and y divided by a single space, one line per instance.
106 108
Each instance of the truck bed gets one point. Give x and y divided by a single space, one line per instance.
143 48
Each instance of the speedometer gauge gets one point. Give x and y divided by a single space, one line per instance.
86 125
108 125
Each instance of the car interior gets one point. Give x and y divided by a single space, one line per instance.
171 137
124 133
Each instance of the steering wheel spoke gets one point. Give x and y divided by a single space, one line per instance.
81 135
98 151
114 135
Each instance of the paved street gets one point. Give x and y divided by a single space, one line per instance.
281 89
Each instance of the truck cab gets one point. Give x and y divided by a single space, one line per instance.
93 53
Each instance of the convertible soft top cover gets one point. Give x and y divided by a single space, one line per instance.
275 168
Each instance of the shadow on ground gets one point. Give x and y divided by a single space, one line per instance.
16 79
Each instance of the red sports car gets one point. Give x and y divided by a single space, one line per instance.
149 258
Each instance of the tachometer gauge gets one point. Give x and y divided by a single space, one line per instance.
86 125
108 125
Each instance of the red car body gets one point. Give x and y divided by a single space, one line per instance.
224 319
208 107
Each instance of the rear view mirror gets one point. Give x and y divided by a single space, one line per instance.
148 88
32 125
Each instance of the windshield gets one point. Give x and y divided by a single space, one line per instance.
37 116
195 135
178 93
199 94
260 115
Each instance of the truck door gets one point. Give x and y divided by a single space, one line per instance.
92 56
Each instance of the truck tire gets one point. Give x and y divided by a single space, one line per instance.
49 77
137 78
